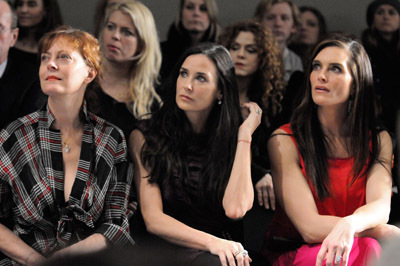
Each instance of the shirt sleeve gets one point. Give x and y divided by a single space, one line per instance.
115 225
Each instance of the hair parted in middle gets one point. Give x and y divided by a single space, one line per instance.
212 11
164 149
360 120
267 86
146 62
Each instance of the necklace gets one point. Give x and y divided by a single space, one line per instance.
65 145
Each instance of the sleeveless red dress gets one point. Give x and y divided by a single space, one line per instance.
346 198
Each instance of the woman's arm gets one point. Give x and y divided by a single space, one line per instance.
91 244
165 226
16 249
337 245
239 194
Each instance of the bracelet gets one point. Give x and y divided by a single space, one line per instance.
244 141
27 258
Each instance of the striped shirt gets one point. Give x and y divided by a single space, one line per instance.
32 183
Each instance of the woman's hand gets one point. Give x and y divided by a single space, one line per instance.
251 122
337 245
265 192
229 252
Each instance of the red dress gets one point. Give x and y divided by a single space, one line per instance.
346 198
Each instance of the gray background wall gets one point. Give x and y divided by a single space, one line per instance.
341 15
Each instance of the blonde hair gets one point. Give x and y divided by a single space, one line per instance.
147 63
212 11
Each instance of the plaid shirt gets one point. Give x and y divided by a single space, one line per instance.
32 183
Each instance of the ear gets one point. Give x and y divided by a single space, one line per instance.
91 75
219 95
14 33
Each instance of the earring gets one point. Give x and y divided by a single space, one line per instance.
219 102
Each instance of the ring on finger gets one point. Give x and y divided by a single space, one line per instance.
338 258
258 111
237 252
244 253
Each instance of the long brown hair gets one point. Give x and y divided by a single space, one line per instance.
360 120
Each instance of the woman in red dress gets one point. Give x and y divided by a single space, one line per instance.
332 166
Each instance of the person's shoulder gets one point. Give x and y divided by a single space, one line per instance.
24 125
103 128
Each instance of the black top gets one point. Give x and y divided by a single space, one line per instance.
385 62
111 110
178 41
20 88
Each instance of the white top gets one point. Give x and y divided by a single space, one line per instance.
292 63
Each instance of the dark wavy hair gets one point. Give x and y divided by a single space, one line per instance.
51 20
164 151
360 120
267 87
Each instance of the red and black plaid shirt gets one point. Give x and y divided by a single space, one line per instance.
32 183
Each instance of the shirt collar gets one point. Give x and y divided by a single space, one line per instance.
3 68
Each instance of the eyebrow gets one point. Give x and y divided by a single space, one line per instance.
201 73
331 64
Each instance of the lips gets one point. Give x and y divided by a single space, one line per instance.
113 48
239 64
185 98
322 89
52 78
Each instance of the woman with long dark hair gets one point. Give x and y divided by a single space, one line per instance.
382 43
35 18
331 165
193 161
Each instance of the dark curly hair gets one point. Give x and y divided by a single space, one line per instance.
267 87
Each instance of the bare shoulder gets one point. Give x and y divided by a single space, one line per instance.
136 141
281 143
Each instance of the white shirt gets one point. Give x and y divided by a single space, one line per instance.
292 63
3 68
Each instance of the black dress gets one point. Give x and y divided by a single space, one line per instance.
20 89
184 200
111 110
385 62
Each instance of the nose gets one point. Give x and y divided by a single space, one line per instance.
23 8
322 77
241 52
187 85
196 11
277 21
51 65
116 34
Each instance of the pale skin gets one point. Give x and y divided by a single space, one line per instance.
65 103
335 233
119 46
245 57
238 196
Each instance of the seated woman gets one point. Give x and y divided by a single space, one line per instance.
259 74
331 166
196 22
131 61
35 18
64 175
193 162
312 29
